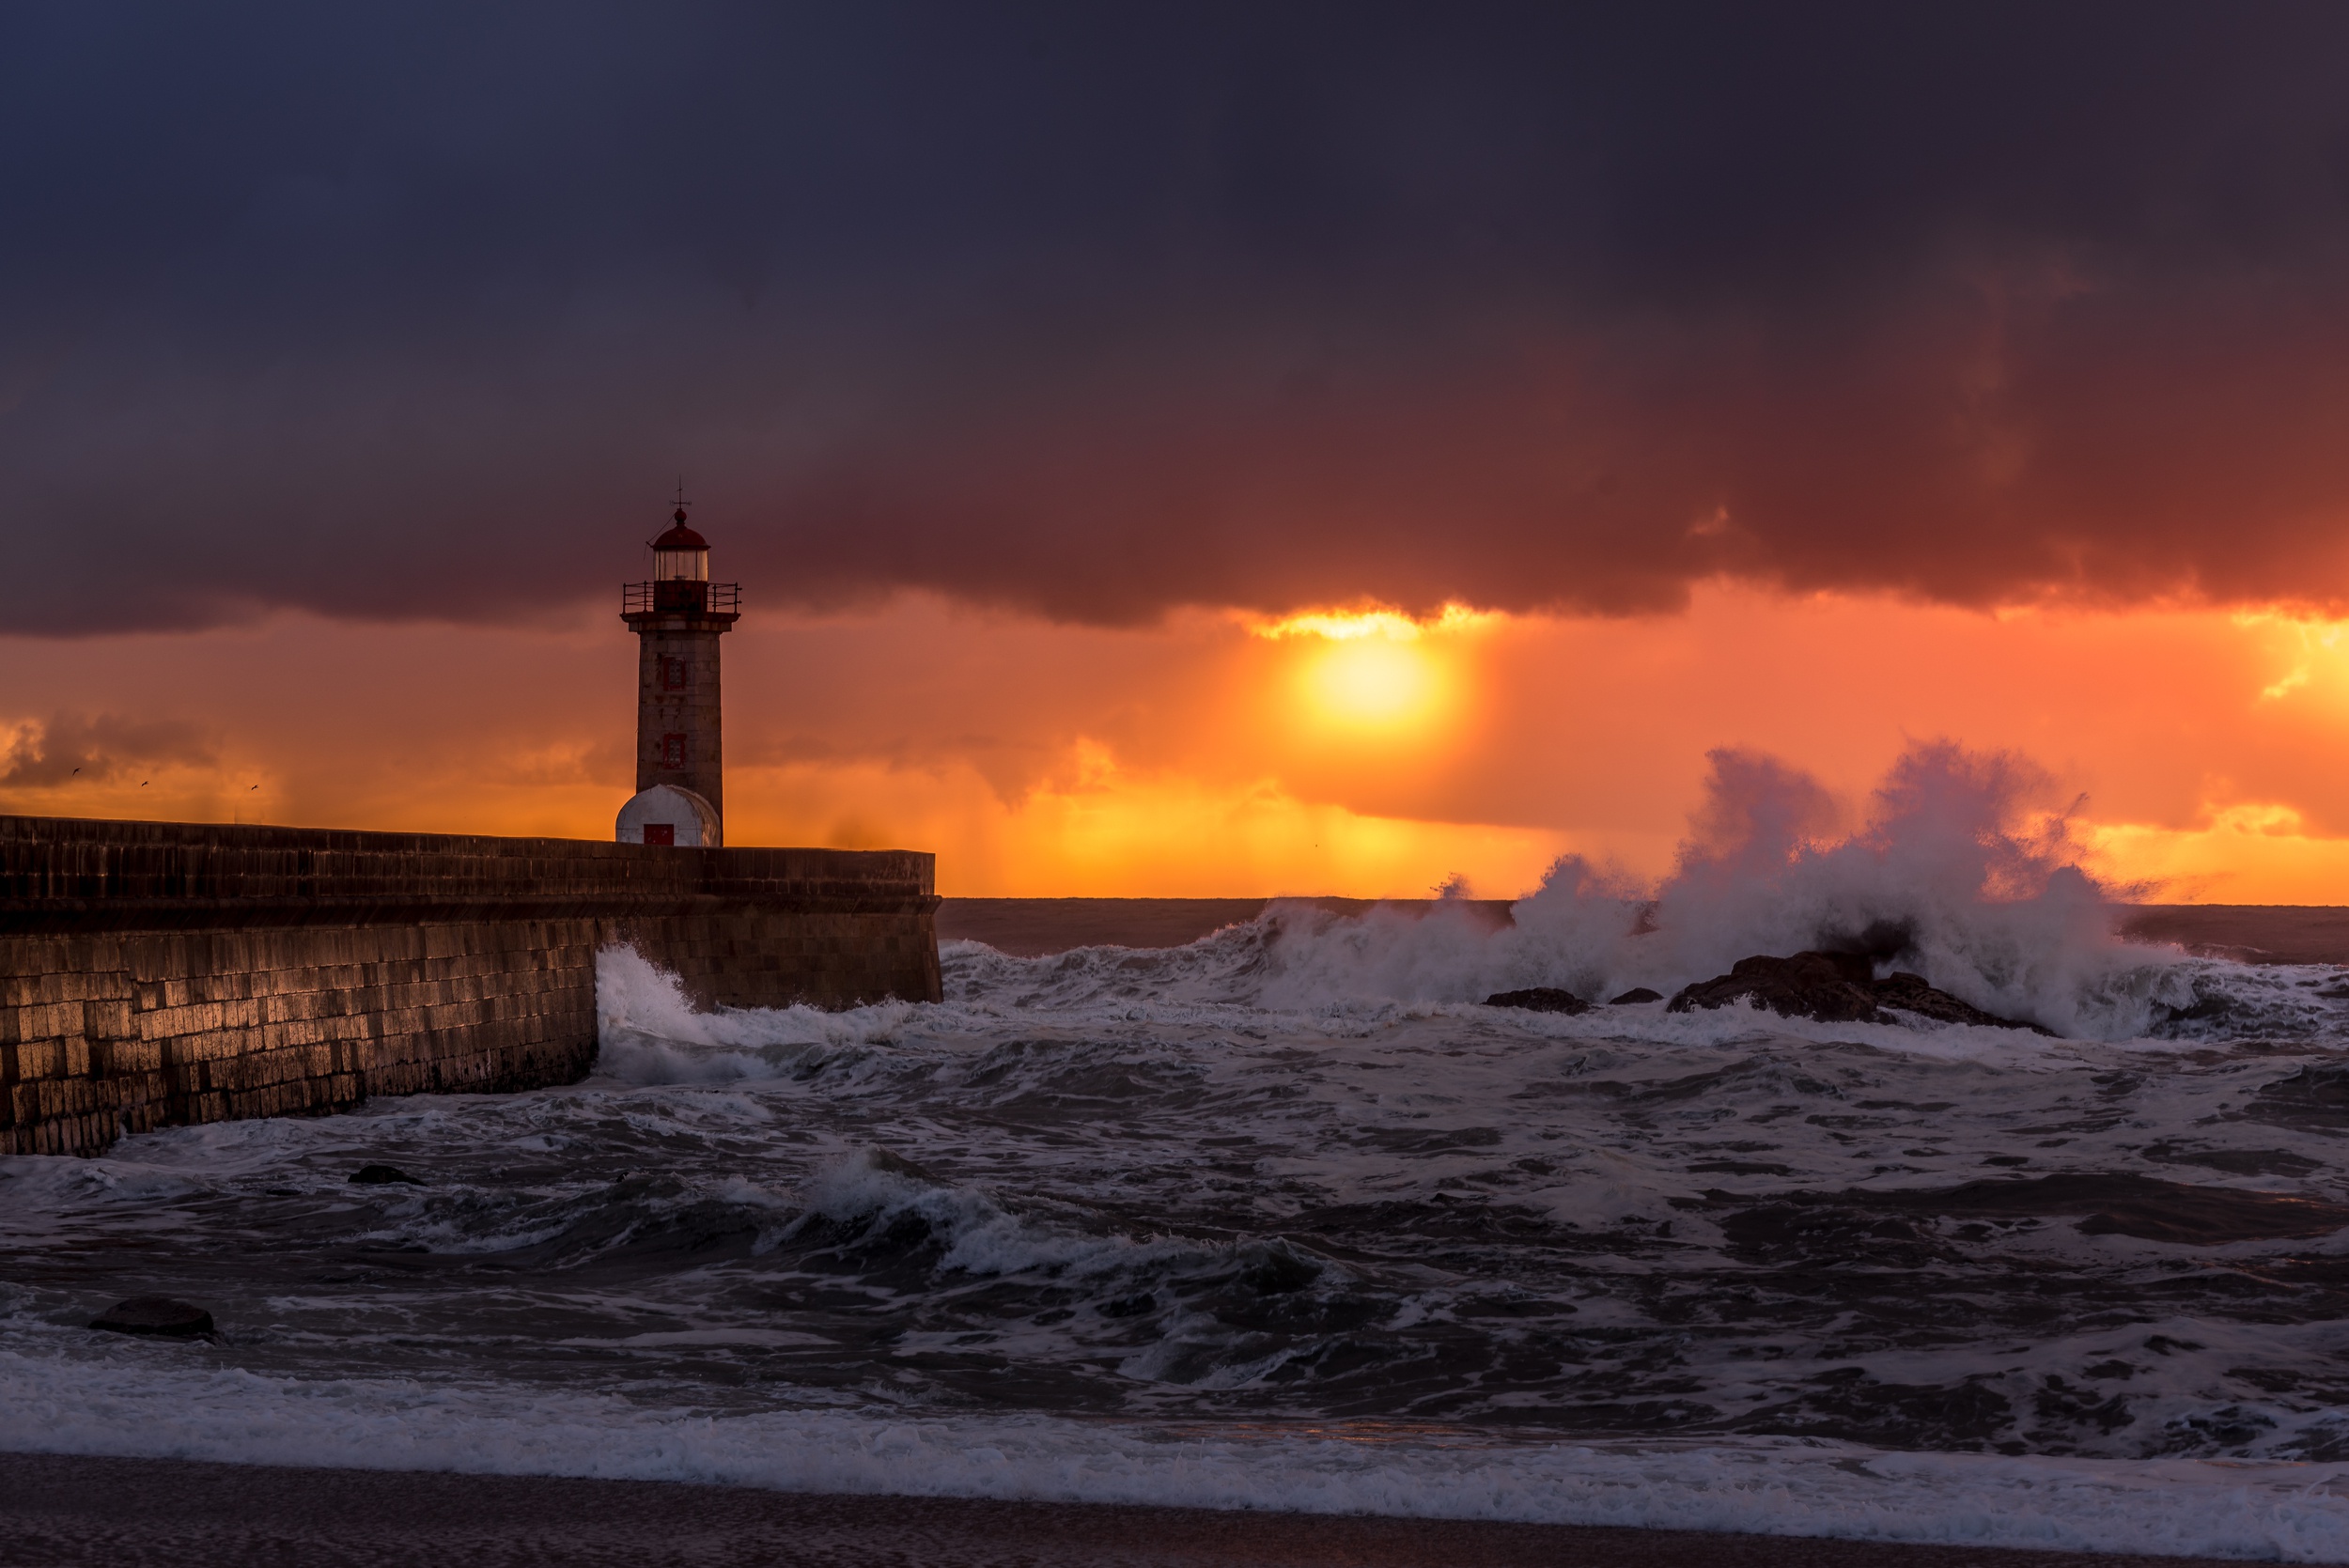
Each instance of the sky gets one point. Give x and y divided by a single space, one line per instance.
1189 449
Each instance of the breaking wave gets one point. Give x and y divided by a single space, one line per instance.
1286 1217
1957 875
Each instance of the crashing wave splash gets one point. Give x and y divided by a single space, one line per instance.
1959 873
1285 1218
1955 875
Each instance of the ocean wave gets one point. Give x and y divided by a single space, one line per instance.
150 1402
1155 1225
1950 876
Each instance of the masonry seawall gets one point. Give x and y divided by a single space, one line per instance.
158 973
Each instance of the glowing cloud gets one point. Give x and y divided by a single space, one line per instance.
2313 647
1346 626
1209 754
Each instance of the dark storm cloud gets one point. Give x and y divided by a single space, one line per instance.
1098 310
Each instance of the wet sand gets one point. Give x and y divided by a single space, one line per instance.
1032 927
62 1511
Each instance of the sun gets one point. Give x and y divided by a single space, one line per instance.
1375 670
1373 681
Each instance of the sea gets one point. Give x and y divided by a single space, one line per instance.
1284 1216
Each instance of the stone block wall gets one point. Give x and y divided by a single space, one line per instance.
109 1033
678 693
158 974
776 957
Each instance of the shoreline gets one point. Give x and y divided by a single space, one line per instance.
64 1510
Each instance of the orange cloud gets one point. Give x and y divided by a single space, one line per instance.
1212 754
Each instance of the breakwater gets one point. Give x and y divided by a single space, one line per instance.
158 973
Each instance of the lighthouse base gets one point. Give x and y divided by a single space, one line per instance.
666 814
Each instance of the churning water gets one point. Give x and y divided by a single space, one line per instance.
1285 1218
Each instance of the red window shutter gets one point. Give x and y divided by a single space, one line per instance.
661 833
673 749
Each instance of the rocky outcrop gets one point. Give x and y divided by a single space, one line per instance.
1539 999
1636 995
1832 987
1908 993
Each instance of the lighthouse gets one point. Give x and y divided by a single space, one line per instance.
680 756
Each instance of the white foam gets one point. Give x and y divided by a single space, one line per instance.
1323 1044
979 1236
651 1032
161 1402
1954 874
1983 896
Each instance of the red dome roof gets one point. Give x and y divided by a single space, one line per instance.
679 536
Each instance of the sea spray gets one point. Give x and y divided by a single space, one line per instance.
1286 1219
1960 872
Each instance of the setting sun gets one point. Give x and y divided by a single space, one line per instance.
1377 669
1373 681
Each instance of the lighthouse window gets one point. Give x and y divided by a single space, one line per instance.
675 673
686 566
672 751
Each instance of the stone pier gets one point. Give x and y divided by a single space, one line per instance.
156 974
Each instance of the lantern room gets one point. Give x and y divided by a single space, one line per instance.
681 555
680 583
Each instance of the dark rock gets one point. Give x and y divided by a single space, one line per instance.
1910 994
1833 988
157 1315
1879 940
1636 993
381 1176
1539 999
